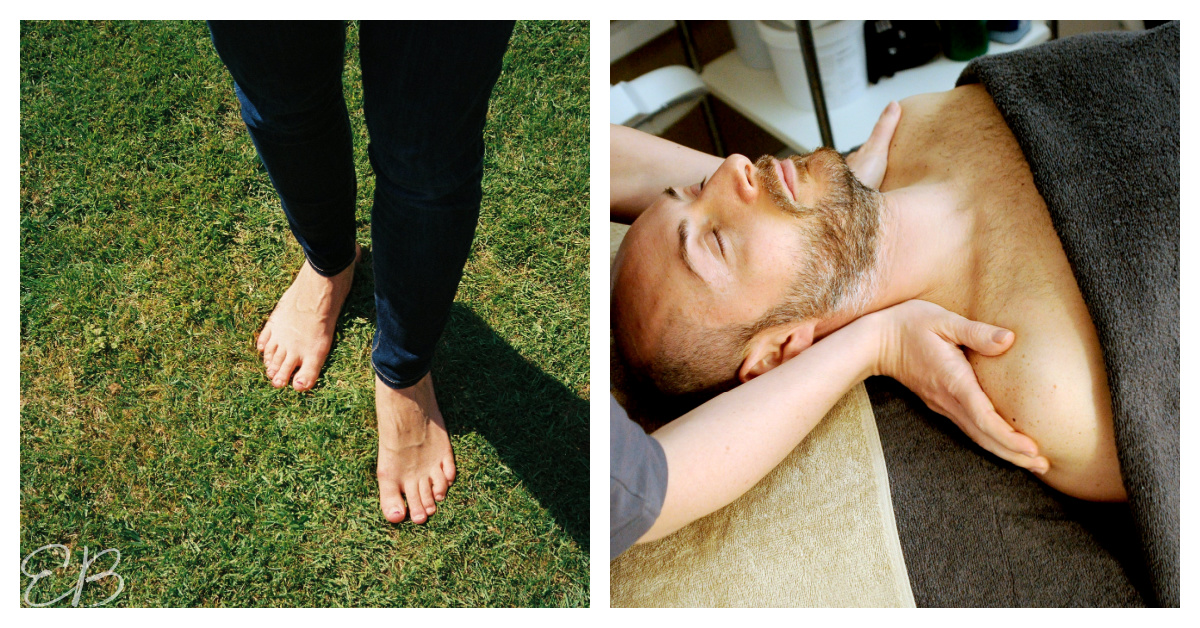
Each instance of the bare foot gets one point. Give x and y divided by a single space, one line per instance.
299 332
414 451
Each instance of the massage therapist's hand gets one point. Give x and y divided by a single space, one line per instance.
869 162
920 348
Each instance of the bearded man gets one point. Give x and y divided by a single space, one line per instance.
721 282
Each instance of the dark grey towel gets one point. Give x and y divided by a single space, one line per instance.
979 532
1097 117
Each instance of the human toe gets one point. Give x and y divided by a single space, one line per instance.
438 484
269 351
416 510
284 374
427 497
390 501
276 363
263 338
306 377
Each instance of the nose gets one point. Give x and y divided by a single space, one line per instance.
740 170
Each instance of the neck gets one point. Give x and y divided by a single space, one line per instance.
925 253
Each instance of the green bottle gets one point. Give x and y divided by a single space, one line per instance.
964 40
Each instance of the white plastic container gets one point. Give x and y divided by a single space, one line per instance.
750 47
841 57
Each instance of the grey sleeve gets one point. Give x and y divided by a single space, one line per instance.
637 480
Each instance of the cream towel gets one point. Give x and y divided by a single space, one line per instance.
819 530
616 233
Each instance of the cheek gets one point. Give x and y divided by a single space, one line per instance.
773 244
772 262
738 303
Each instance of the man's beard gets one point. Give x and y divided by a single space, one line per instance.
838 238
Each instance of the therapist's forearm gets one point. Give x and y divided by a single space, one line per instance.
720 450
642 165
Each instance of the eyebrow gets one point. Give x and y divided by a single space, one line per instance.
683 252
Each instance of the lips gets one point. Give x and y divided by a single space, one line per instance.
787 176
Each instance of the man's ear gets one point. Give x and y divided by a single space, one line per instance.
774 346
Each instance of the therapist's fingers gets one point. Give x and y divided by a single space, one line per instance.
976 408
1037 464
973 412
984 415
885 128
869 162
981 338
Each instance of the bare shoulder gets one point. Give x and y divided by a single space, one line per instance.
966 95
1052 386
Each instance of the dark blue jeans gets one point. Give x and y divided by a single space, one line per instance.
425 96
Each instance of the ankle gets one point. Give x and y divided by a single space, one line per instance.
408 403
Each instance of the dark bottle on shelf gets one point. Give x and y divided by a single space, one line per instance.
964 40
894 45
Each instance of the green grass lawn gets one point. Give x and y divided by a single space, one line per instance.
152 250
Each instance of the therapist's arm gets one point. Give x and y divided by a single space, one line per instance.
641 166
721 449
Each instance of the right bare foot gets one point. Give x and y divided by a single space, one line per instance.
416 463
299 332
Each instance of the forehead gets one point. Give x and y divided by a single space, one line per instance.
654 294
649 266
645 284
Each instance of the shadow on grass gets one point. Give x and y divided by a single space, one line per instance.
538 426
